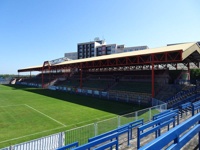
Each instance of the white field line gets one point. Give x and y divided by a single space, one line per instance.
46 115
30 135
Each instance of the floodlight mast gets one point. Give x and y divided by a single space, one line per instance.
81 75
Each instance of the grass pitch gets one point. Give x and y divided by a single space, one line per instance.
29 113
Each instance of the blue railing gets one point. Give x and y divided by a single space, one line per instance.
176 136
195 107
185 108
164 113
108 139
155 126
192 98
182 93
112 140
127 128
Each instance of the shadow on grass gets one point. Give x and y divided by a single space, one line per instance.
113 107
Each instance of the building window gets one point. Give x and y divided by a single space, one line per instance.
108 52
113 51
108 48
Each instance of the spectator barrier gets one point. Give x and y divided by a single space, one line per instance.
177 136
192 98
111 140
121 130
195 107
185 108
155 126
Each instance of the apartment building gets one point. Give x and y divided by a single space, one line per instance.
88 49
99 48
106 49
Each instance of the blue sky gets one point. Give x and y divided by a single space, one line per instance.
33 31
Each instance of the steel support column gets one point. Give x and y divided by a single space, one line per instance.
152 77
45 64
42 77
81 74
152 81
188 71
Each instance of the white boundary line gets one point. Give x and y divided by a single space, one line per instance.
31 135
45 115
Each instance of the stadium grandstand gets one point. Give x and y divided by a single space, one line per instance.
145 77
129 73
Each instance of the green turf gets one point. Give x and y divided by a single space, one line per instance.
25 111
25 120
